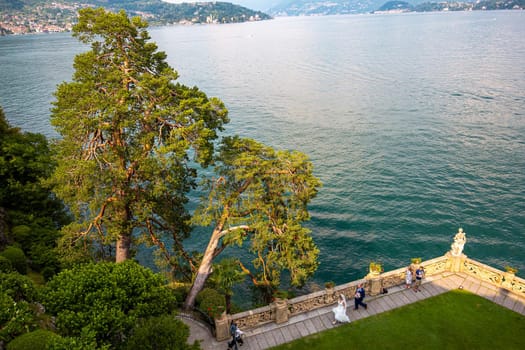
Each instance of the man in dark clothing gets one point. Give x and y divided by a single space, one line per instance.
233 332
359 297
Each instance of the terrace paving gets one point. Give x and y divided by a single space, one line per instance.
272 334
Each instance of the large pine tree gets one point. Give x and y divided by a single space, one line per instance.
128 132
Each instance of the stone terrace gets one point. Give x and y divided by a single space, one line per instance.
318 320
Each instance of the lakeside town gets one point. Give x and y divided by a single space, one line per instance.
47 18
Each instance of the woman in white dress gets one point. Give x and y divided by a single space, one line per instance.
408 277
340 310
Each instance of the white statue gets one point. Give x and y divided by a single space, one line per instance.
458 244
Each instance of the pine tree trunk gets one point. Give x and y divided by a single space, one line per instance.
123 248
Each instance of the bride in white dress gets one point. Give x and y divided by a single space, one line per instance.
340 310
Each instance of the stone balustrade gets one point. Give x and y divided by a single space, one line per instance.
485 273
374 283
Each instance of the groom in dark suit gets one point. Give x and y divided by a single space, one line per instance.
359 297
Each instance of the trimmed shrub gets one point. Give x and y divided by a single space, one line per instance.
17 258
162 332
86 341
39 339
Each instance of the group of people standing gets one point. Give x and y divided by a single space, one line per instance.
340 310
410 281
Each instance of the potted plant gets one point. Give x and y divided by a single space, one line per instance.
415 261
329 285
375 268
511 270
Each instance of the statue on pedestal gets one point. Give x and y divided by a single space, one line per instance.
456 248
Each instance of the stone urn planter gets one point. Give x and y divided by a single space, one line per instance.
375 269
329 292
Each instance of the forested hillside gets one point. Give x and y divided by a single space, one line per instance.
338 7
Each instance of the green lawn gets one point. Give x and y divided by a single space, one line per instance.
454 320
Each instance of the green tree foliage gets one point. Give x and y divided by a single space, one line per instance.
32 213
127 132
25 160
105 299
161 332
259 197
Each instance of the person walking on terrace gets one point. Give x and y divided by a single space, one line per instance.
233 332
359 297
340 310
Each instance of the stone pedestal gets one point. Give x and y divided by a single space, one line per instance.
329 296
455 263
376 285
280 310
222 328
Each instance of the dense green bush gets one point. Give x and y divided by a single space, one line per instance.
162 332
17 293
211 302
106 298
15 317
86 341
39 339
5 265
17 258
18 287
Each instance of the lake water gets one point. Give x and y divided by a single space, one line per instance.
415 122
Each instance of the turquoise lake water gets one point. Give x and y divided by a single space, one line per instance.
415 122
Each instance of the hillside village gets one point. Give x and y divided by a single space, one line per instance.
60 16
48 18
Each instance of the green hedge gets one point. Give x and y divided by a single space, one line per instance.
17 258
39 339
162 332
